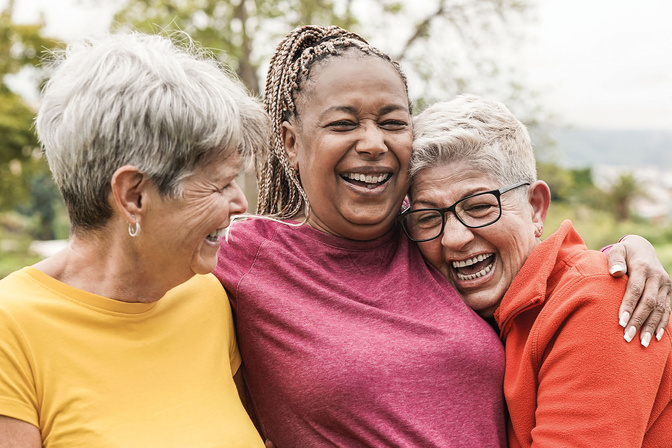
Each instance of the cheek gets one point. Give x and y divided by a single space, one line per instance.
403 147
432 252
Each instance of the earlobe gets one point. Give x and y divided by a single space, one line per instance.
128 191
539 196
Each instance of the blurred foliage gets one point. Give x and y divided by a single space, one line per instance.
599 228
17 147
237 28
446 46
24 176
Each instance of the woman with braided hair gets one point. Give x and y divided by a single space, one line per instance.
348 337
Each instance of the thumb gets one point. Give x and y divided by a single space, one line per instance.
616 260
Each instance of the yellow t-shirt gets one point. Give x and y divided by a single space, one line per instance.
89 371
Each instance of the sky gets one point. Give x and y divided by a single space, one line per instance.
599 63
605 63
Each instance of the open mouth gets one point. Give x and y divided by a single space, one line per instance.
474 267
215 235
369 181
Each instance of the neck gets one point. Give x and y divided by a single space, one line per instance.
113 269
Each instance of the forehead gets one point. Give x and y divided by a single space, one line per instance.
449 182
348 76
218 168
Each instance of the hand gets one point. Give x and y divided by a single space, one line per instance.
648 288
269 444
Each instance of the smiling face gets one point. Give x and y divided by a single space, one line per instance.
183 234
480 263
351 145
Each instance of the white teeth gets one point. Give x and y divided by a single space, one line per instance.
480 273
470 261
368 178
218 233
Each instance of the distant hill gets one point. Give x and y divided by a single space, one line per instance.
582 147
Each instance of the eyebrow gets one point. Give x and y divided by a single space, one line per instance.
424 204
430 204
353 110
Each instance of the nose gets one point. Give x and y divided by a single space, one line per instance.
455 234
238 204
372 141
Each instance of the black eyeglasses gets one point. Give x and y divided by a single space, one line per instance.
475 211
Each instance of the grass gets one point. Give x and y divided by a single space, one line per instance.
598 229
15 253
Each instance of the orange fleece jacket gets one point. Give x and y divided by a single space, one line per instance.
571 380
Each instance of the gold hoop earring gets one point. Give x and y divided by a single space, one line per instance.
134 229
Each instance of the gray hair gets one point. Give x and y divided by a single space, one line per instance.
482 132
141 100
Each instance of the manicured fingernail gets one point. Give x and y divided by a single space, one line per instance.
629 334
646 339
625 317
660 333
616 268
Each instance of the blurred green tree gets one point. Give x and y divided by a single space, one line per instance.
623 192
21 47
446 46
236 27
558 179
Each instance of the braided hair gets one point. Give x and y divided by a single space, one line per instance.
280 192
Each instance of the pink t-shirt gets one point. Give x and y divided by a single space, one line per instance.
350 343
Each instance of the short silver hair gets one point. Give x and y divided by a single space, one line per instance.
144 100
482 132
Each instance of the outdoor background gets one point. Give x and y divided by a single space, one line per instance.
591 79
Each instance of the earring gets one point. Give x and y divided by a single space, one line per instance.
134 229
540 230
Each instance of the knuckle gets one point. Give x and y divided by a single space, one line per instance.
636 289
637 321
649 303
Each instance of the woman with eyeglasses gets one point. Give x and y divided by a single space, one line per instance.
477 212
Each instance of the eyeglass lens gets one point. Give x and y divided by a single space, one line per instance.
476 211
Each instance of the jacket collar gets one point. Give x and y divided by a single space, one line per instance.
537 278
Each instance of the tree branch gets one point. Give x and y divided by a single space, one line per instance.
421 30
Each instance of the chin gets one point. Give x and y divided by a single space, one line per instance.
484 306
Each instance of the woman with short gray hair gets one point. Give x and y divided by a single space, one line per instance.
124 338
477 213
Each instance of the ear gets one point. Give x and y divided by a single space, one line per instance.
129 186
289 141
539 196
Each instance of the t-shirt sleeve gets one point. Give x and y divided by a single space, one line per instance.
237 253
234 353
17 388
592 385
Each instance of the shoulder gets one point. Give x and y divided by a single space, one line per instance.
203 284
237 251
587 275
20 289
585 295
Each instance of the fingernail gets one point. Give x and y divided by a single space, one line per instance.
616 268
625 317
646 339
660 333
629 334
